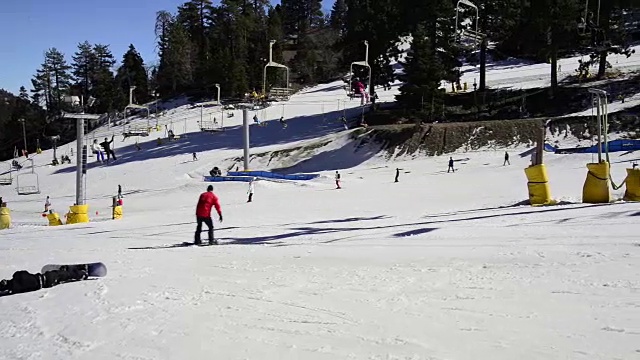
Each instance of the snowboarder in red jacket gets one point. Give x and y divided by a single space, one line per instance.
206 201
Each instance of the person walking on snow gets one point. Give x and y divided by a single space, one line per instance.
450 168
506 159
338 180
106 145
206 201
251 189
397 174
47 204
96 149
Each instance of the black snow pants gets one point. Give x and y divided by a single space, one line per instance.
209 222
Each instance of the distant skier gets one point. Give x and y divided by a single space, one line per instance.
23 281
195 157
47 204
283 122
255 119
343 120
119 191
106 145
506 159
337 177
251 190
450 168
206 201
397 174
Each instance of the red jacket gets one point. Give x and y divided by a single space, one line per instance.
205 202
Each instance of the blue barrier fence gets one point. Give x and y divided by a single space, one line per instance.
270 175
614 146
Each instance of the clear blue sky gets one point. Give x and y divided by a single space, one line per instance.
29 27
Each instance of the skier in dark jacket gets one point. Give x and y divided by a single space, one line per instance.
506 159
450 168
23 281
106 145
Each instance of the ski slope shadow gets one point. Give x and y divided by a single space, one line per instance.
351 219
296 232
298 129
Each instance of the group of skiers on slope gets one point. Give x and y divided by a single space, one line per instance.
257 121
97 149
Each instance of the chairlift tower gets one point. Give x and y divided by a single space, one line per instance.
81 155
273 64
599 100
364 63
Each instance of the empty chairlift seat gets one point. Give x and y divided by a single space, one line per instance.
27 181
6 177
136 130
279 94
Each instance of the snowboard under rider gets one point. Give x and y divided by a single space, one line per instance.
206 201
23 281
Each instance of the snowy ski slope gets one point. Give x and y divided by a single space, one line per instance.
437 266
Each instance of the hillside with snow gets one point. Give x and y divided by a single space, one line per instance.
440 265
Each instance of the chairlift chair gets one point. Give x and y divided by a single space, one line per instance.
33 183
6 178
473 37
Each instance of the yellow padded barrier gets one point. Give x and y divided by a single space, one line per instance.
633 185
54 219
78 214
596 186
5 218
539 192
117 212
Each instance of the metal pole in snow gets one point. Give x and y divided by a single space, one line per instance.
245 137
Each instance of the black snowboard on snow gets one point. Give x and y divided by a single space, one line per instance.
204 243
97 269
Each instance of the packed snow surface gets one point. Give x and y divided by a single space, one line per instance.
437 266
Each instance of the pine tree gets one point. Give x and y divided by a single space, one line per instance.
23 95
133 73
423 73
338 19
53 80
613 29
108 95
164 22
83 67
175 72
193 16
